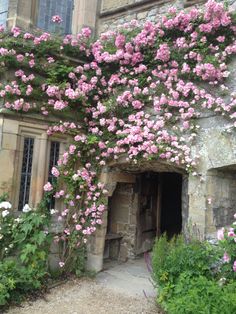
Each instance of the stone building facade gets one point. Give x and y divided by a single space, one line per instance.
144 200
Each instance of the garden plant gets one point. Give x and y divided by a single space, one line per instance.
196 276
134 93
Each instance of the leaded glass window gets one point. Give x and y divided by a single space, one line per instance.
53 158
26 172
49 8
3 11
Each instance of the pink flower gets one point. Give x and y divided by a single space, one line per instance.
61 264
78 227
50 60
86 32
220 39
120 41
55 172
234 266
59 104
29 90
72 149
28 36
56 19
20 58
48 187
226 258
15 31
163 53
231 233
31 63
220 234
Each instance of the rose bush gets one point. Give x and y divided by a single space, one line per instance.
135 92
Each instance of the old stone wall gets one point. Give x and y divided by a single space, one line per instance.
221 198
122 214
113 13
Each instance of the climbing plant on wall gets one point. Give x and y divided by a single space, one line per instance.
135 92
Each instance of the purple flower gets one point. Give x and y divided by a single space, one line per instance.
56 19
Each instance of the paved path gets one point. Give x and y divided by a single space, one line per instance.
121 289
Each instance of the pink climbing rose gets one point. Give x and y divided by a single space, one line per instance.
163 53
56 19
48 187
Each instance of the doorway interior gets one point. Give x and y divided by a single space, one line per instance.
142 211
159 209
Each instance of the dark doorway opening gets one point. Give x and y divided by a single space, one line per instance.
159 209
171 214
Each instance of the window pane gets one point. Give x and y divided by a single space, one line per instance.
26 172
53 158
48 8
3 12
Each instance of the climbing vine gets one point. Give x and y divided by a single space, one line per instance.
133 93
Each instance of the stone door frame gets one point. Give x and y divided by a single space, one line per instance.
120 172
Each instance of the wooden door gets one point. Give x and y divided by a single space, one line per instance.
147 212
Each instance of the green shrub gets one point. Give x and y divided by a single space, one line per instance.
17 279
186 277
200 295
24 248
171 258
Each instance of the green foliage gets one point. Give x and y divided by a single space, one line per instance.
186 278
24 248
228 244
171 258
17 279
200 295
58 73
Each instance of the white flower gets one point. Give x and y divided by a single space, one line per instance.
61 264
26 208
53 211
222 281
75 177
5 205
1 236
5 213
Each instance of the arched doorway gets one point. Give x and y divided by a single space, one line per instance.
141 211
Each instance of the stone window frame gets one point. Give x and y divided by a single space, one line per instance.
40 164
26 175
64 141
